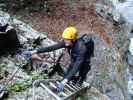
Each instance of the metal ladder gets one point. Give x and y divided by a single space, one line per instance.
70 90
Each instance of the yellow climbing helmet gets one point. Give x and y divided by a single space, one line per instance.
70 33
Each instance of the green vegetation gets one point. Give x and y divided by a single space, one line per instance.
23 85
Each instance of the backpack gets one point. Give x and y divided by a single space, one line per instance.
89 42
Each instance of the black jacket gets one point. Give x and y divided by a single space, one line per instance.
78 53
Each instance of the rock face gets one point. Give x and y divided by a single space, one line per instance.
29 39
94 94
109 67
109 71
116 11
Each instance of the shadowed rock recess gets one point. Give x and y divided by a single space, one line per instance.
108 74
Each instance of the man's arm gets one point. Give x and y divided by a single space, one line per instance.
51 48
33 53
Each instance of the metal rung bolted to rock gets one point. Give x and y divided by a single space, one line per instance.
70 90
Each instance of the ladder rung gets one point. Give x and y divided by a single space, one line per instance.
73 86
75 93
70 90
67 90
78 86
67 86
52 85
49 91
70 87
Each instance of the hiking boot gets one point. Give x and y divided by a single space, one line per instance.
75 79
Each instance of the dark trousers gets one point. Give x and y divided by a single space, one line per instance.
83 70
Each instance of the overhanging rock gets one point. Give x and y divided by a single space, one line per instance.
26 34
8 40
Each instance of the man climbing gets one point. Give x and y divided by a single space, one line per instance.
80 55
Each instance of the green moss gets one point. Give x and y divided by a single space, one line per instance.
23 85
20 86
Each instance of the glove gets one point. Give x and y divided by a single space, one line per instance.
60 87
